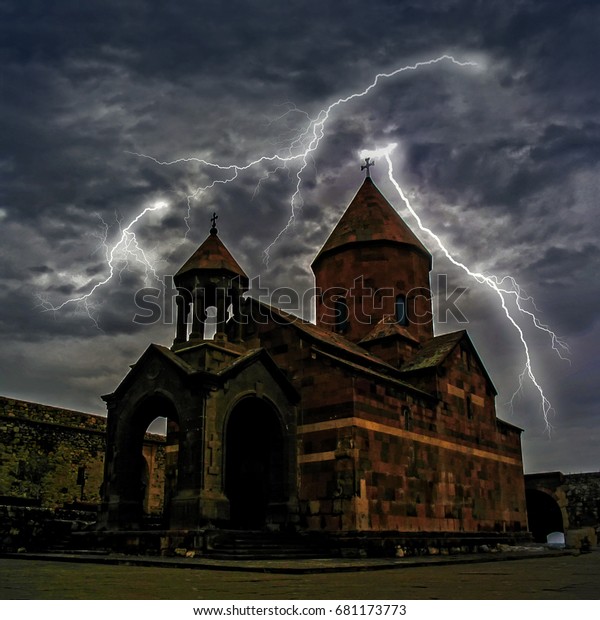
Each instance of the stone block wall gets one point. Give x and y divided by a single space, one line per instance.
569 503
52 457
376 458
583 499
25 528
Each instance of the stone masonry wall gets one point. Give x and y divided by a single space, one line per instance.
583 497
46 453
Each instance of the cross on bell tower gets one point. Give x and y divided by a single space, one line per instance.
213 221
368 164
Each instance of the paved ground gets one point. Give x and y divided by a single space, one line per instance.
564 577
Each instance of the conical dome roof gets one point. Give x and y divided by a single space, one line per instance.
212 255
369 218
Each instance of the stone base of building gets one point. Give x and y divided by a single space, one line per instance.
239 544
406 544
33 528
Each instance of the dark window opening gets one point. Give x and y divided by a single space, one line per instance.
469 406
341 315
81 475
466 359
406 414
401 313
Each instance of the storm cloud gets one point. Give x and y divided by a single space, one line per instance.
501 160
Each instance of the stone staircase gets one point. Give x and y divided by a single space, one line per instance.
260 545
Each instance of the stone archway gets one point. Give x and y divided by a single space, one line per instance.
255 464
543 514
130 478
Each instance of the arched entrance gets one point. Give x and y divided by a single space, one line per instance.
255 471
146 486
543 514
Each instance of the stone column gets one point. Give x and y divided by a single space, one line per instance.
237 319
182 313
221 303
199 314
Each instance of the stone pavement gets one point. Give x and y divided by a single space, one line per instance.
553 576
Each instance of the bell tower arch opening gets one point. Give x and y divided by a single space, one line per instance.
210 287
255 465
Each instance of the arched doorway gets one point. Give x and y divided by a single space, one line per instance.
255 471
146 472
543 514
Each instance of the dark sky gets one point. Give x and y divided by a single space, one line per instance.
500 160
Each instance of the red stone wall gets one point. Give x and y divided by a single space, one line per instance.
374 455
436 470
386 271
395 351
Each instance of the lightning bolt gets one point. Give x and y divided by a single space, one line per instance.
505 288
122 250
300 151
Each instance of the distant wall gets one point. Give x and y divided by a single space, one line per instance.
573 499
583 499
52 457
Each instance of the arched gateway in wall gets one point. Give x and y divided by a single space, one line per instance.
543 514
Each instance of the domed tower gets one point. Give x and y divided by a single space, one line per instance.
373 269
211 277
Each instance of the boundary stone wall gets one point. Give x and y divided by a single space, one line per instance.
54 458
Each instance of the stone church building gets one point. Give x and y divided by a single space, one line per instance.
363 422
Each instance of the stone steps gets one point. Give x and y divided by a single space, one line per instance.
261 545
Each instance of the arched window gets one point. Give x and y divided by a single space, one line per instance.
401 310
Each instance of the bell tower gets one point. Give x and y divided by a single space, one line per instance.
373 269
211 277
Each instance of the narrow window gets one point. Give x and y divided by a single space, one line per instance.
401 315
341 315
465 359
81 475
407 418
469 408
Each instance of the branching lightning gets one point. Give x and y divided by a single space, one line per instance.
300 149
505 288
117 259
299 152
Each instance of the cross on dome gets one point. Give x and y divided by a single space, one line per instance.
368 163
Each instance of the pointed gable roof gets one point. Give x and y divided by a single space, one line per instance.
434 352
213 255
387 327
368 218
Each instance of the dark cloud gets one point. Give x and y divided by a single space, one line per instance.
502 161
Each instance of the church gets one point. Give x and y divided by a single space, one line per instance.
364 421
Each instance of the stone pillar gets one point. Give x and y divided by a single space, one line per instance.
221 303
199 314
182 313
186 506
237 319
